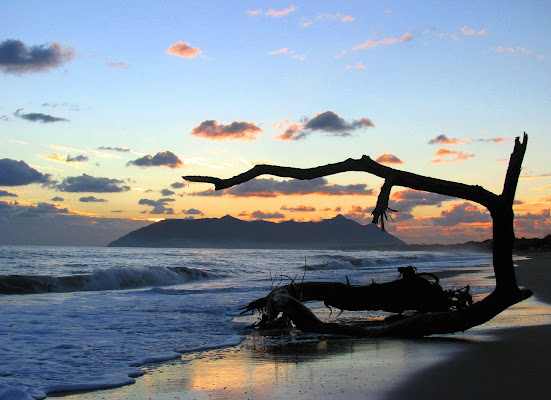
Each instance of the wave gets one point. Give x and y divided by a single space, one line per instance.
337 261
108 279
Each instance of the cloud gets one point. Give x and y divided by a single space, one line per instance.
117 64
5 193
533 224
388 159
87 183
328 122
469 31
39 117
159 206
17 58
280 13
262 187
177 185
79 158
532 176
464 213
407 200
161 159
369 43
450 156
266 215
290 53
19 173
443 139
254 12
518 49
120 149
167 192
299 209
91 199
211 129
57 198
73 162
335 17
358 65
192 211
183 49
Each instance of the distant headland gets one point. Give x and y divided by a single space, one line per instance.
230 232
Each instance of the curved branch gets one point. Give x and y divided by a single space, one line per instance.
365 164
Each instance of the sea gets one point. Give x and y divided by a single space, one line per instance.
90 318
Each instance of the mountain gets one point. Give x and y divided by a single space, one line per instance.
230 232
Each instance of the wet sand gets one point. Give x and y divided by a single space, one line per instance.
487 362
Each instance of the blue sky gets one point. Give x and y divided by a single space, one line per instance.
474 74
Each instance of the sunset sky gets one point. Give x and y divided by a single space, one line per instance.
105 105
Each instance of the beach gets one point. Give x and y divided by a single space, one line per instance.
504 358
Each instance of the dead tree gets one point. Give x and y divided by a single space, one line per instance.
288 301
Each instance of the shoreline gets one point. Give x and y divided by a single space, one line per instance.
303 367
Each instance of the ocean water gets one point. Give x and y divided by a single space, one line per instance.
84 318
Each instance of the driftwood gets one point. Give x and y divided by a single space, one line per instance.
506 293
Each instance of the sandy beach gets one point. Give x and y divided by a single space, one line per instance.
504 359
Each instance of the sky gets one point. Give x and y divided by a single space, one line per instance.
105 105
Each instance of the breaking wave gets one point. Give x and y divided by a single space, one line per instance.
108 279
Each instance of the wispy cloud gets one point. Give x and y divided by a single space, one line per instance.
117 64
290 53
392 40
443 139
211 129
18 58
469 31
183 49
299 209
450 156
358 65
74 162
334 17
272 12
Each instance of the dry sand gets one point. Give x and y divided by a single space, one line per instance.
487 362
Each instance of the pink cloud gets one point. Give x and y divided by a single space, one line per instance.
285 11
254 12
370 43
183 49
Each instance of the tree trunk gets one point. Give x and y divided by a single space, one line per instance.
506 292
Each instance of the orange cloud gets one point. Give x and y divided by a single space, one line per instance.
211 129
456 156
183 49
370 43
388 159
254 12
